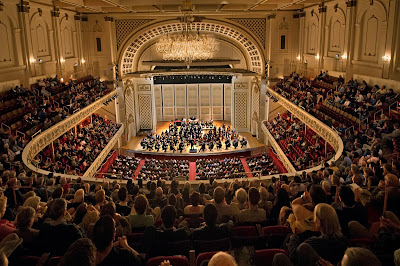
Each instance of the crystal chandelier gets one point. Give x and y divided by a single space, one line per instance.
189 45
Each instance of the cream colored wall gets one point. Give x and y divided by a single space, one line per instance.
36 44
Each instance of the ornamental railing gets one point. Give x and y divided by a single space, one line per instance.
281 154
42 140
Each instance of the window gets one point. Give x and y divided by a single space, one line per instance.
98 44
283 42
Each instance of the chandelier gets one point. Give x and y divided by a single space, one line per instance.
188 45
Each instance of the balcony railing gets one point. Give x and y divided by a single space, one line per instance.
45 138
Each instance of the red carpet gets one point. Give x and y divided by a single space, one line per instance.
141 163
192 171
246 167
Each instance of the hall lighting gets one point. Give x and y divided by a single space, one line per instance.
83 61
298 57
386 58
32 60
62 60
40 60
189 45
317 57
344 56
192 79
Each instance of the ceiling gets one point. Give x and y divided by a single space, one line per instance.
171 7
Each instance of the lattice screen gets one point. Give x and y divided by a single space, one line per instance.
125 27
256 25
241 110
145 113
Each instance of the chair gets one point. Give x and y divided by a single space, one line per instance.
54 261
134 238
245 231
361 242
28 260
265 257
276 235
204 256
165 248
211 245
174 260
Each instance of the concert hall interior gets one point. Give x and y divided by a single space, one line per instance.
136 132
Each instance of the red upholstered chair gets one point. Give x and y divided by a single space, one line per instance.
276 235
174 260
204 256
245 231
54 261
264 257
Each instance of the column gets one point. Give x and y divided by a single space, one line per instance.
351 30
79 51
55 19
390 36
110 30
396 49
18 46
25 40
270 19
321 37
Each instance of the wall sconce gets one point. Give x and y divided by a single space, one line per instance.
305 61
386 58
312 12
335 7
32 60
62 80
337 56
40 60
317 57
83 61
62 60
344 56
40 11
298 58
76 64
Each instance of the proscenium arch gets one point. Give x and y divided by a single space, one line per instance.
130 51
223 40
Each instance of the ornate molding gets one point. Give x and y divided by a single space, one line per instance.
285 160
319 127
92 170
256 25
124 27
48 136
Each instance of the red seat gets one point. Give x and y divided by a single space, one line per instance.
204 256
276 230
245 231
174 260
265 257
54 261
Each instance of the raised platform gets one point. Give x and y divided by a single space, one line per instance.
253 147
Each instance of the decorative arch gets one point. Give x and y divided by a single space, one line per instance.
40 35
130 52
337 27
312 37
7 55
372 21
67 43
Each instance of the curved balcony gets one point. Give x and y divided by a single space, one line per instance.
45 138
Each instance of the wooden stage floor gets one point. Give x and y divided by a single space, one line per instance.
134 143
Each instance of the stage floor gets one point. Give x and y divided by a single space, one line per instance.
134 143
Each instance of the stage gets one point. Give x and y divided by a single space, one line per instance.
252 145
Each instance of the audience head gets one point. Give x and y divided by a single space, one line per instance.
222 259
58 209
80 253
122 193
32 202
168 216
219 195
346 195
108 209
100 196
79 196
254 196
391 180
210 215
326 219
140 204
195 198
159 192
104 232
317 194
241 195
356 256
25 218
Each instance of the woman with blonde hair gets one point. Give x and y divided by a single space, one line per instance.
239 203
330 245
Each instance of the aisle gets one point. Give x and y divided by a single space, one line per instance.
246 167
141 163
192 171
